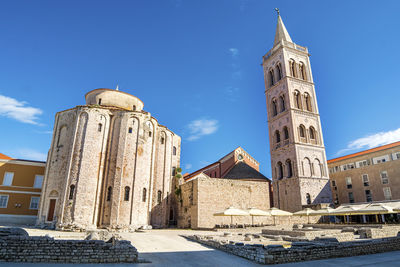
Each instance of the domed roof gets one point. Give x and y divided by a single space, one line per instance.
113 98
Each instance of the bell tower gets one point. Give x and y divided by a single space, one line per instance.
299 167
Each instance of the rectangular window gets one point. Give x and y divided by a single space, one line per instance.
348 183
387 193
100 127
384 177
365 179
368 195
34 203
38 181
333 183
351 197
398 155
130 130
3 201
8 178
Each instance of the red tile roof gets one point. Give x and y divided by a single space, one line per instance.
2 156
375 149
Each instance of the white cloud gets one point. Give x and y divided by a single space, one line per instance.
31 154
234 52
201 127
188 166
18 110
371 141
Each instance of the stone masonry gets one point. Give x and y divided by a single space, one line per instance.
110 165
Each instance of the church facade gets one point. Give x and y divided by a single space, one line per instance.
298 160
110 165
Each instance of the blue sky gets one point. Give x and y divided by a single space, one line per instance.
196 66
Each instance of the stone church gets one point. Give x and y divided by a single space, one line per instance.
298 160
110 165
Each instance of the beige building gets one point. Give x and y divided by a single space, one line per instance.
366 176
110 165
298 161
232 181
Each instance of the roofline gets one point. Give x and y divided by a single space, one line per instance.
24 162
375 149
108 89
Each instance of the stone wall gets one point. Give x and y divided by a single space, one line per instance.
46 249
378 232
312 234
302 251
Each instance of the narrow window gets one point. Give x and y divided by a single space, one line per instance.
99 127
312 133
149 134
130 130
279 70
302 131
127 191
274 108
282 103
174 150
271 77
134 108
348 183
71 192
99 101
384 177
286 133
144 195
387 193
109 193
277 136
173 171
368 195
159 197
351 197
308 199
308 102
289 168
297 99
280 170
302 71
292 66
162 140
3 201
365 179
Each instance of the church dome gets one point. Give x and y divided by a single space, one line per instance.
113 98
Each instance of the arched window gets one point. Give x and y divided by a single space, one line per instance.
174 150
71 191
289 168
109 193
307 167
162 140
312 133
173 171
134 108
282 103
307 100
144 195
100 127
127 191
280 170
285 133
159 197
271 77
277 136
279 71
274 108
302 71
297 99
292 66
302 131
318 168
308 197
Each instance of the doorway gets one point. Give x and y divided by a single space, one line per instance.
52 206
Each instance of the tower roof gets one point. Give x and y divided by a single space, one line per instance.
281 32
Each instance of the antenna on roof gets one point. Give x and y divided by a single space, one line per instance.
117 88
277 10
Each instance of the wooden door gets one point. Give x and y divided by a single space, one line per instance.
52 206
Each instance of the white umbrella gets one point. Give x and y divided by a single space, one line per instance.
231 211
277 212
306 212
256 212
376 208
324 211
